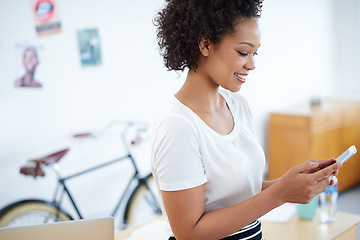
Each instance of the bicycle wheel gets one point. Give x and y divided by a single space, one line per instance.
143 204
31 212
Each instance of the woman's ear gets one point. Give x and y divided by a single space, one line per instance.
204 46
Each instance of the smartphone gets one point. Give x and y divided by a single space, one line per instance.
347 154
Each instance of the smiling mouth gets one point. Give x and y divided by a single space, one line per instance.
240 77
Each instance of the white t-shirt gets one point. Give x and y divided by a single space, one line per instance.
186 153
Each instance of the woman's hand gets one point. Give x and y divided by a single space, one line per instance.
303 182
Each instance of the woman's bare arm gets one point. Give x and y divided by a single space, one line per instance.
185 208
266 184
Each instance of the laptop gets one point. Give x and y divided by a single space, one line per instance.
87 229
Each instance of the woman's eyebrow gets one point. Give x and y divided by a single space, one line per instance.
250 44
247 43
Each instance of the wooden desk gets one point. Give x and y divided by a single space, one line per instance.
345 228
126 233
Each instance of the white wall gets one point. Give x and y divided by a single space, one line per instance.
306 51
295 59
35 122
347 48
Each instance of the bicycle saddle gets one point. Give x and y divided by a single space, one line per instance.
47 160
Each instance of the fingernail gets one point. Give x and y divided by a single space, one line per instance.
314 164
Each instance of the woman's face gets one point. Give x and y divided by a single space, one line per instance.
30 60
230 61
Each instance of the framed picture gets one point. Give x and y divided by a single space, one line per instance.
89 46
46 17
27 66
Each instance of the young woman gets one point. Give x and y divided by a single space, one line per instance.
206 158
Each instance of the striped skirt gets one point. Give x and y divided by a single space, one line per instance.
250 232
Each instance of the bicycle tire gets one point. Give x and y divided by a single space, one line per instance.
31 212
142 206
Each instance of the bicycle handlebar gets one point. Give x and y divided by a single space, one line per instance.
136 140
79 135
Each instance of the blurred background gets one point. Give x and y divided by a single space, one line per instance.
99 61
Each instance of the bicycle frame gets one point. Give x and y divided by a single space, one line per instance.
59 193
137 192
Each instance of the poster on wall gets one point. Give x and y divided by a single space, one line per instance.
46 17
27 62
89 47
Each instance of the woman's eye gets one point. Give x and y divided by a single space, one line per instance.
242 53
245 54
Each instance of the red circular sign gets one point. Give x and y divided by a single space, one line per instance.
44 10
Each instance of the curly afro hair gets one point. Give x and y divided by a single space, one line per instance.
183 23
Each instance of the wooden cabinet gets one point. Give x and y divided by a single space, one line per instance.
315 132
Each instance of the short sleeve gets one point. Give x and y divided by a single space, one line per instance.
176 158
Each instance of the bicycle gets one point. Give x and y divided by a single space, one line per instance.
39 211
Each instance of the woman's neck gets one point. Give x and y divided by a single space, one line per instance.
199 93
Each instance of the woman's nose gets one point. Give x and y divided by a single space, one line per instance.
250 64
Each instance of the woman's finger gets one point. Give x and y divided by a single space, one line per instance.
326 172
